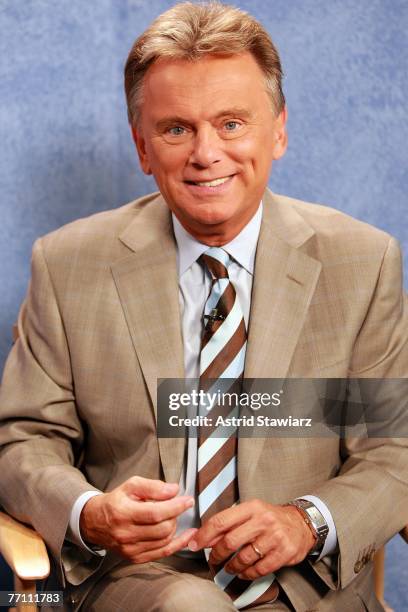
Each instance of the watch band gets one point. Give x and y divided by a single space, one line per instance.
315 520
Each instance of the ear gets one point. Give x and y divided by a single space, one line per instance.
280 135
141 149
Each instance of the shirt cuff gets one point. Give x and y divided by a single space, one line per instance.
330 544
74 532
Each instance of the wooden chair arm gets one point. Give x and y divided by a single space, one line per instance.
15 333
379 563
23 549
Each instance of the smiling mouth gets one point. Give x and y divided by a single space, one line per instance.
213 183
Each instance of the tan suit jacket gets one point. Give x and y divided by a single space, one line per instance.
101 323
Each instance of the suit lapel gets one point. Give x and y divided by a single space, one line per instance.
284 282
285 279
147 284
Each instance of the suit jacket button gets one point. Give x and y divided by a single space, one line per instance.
358 566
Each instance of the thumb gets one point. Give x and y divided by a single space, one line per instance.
146 488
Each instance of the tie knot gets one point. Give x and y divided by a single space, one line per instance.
216 260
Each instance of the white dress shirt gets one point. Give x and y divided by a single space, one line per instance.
194 289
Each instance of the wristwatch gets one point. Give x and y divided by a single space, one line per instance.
315 519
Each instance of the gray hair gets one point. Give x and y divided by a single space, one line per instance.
191 31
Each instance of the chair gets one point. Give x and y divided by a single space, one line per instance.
26 554
379 562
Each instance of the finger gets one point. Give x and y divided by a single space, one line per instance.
143 546
219 524
145 513
279 550
234 540
146 533
147 488
270 563
172 547
158 531
215 540
253 572
246 557
276 549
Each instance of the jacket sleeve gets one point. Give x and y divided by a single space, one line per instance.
368 499
41 434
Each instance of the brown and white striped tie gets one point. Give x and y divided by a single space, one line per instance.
222 361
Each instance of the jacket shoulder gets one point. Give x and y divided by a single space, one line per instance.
96 234
335 227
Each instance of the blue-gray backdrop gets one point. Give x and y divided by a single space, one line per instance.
66 150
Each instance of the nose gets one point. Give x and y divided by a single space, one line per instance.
206 147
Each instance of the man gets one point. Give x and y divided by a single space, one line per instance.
116 301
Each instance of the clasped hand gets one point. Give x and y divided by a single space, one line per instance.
138 520
265 537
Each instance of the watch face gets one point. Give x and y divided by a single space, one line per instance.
315 515
316 518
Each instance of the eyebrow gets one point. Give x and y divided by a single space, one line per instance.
235 110
229 112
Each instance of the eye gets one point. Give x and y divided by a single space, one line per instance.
176 130
175 133
231 126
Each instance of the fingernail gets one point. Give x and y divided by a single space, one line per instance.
169 487
190 503
193 546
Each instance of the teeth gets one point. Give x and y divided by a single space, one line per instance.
219 181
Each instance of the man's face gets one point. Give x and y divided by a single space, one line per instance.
208 134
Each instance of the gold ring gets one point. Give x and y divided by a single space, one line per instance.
257 551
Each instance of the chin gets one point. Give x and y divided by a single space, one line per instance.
212 217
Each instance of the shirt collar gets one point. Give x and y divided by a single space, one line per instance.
242 248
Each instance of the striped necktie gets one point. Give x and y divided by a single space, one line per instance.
222 361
